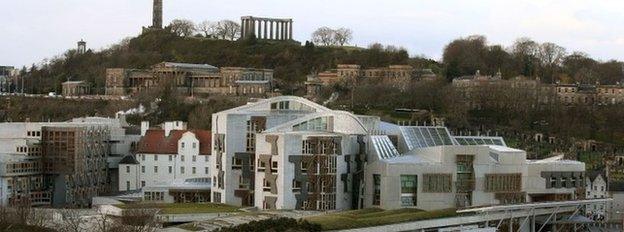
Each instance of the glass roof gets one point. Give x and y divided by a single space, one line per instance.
480 140
424 136
384 147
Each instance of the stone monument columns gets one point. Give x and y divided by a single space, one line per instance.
266 28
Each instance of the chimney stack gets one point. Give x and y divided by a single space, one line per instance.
144 127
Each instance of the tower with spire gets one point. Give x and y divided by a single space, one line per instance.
157 17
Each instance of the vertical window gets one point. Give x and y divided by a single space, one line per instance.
142 169
194 145
194 158
155 157
142 183
376 189
127 185
182 145
170 158
142 157
182 170
182 158
194 170
155 169
408 190
206 170
127 169
170 169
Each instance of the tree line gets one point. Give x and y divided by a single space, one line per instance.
550 62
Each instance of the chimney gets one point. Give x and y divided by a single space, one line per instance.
144 127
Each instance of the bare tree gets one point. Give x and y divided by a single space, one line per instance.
182 27
343 36
324 36
69 220
209 29
140 220
228 29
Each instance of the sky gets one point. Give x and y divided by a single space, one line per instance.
34 30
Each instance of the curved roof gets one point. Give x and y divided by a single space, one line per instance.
359 129
265 104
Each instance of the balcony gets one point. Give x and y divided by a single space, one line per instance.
467 185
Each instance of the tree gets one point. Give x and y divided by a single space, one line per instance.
182 27
343 36
228 30
525 53
209 29
324 36
551 56
464 56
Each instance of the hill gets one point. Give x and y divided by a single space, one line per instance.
291 61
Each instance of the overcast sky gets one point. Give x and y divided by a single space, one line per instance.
32 30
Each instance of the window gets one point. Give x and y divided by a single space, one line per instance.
182 158
170 158
376 189
142 157
296 186
437 183
274 165
182 144
206 158
170 169
127 185
142 169
155 157
503 182
206 170
194 145
142 183
408 184
155 169
194 158
553 181
182 170
127 169
194 170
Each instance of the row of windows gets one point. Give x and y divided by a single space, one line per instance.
170 169
193 158
33 133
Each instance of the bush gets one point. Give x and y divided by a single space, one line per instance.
274 225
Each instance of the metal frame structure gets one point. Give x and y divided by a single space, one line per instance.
529 212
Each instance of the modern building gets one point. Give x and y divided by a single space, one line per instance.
171 164
75 88
190 79
290 153
60 163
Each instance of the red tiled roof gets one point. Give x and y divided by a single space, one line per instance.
155 141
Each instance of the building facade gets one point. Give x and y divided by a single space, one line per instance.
60 163
398 75
75 88
190 79
171 165
290 153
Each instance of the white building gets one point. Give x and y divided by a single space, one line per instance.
596 187
290 153
171 164
85 150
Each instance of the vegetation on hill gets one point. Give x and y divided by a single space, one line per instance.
291 61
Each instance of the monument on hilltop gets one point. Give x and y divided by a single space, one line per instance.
157 17
266 28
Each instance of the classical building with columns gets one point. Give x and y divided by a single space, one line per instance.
266 28
190 79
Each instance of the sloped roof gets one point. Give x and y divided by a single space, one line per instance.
593 174
129 159
155 141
